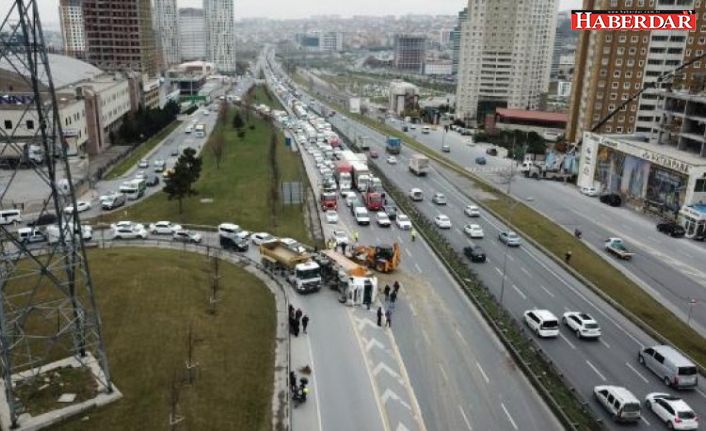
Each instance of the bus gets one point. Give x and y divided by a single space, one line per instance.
200 130
133 189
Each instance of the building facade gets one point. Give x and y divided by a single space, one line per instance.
193 38
72 28
331 41
455 40
505 56
166 23
119 36
613 65
410 52
220 22
403 97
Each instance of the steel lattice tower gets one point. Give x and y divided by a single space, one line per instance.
47 306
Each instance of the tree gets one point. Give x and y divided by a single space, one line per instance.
217 143
238 121
180 183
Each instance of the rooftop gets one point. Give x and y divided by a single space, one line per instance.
521 114
65 70
665 150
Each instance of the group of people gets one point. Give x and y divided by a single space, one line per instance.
297 318
390 299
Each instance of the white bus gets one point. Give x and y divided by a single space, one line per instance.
133 189
200 130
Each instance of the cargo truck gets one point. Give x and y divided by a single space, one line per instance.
419 164
393 145
20 154
355 282
361 174
343 175
301 271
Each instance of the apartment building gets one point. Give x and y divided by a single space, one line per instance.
410 51
193 37
166 23
72 31
220 22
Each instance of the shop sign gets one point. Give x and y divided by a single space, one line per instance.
665 161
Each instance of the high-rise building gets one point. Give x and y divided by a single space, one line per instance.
455 40
193 40
119 35
72 31
166 23
331 41
505 56
220 22
410 51
610 66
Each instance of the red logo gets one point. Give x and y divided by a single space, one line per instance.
634 20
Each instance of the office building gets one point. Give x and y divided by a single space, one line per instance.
166 21
410 51
330 41
220 23
193 38
611 66
505 56
72 31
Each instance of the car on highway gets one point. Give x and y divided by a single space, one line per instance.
492 151
439 199
152 181
259 238
620 403
43 219
509 238
475 253
382 219
403 222
471 211
446 148
582 324
416 194
361 216
187 236
673 368
144 164
473 230
612 199
159 165
340 237
164 228
480 160
391 160
589 191
542 322
112 201
331 216
373 154
391 211
672 411
129 231
442 221
293 245
29 235
671 228
81 206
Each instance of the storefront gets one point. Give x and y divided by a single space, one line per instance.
648 177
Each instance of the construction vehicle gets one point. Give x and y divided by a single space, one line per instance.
419 164
356 283
21 154
393 145
301 271
554 167
382 258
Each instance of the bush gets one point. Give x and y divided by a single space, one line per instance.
145 123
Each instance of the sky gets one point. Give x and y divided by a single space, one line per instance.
282 9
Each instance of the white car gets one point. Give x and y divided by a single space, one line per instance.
360 214
80 205
439 199
542 322
159 165
260 238
140 175
583 325
471 211
391 160
403 222
184 235
144 164
442 221
293 245
473 230
340 237
589 191
672 411
122 224
164 228
331 216
130 232
383 219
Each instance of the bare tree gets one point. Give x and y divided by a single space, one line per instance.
190 364
174 391
215 285
217 143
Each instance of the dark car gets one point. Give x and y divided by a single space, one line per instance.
43 219
474 253
152 180
492 151
391 212
612 199
672 229
240 244
405 128
373 154
480 160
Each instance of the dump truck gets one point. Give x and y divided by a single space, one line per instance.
21 154
419 164
300 269
382 258
616 246
393 145
356 283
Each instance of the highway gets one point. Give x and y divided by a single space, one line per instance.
534 280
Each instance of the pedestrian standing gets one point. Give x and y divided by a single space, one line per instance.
343 248
298 314
305 322
567 256
395 287
292 381
355 236
413 234
379 316
393 296
291 312
388 318
386 291
296 327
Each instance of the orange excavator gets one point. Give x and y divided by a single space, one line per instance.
382 258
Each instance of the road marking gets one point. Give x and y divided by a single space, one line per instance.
416 265
596 370
459 231
316 390
507 413
519 291
701 393
411 308
460 335
547 290
363 322
426 336
390 394
523 269
383 367
567 341
373 342
465 418
406 250
509 256
443 372
499 272
637 372
401 427
604 343
485 376
645 421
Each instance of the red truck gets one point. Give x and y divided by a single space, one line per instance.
372 200
343 175
328 201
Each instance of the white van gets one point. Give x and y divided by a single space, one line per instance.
30 235
673 368
416 195
619 402
543 322
10 216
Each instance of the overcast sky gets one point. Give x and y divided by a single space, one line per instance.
282 9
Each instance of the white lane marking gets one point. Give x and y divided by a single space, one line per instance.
316 390
406 250
460 335
507 413
465 419
645 420
499 271
701 393
509 256
517 289
604 343
411 308
547 290
523 269
443 372
416 265
485 376
637 372
426 336
567 341
596 370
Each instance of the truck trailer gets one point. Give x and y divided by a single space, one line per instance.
419 164
300 269
393 145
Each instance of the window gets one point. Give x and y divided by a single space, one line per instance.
8 124
622 39
30 124
614 85
619 129
613 96
626 85
632 51
700 186
616 74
